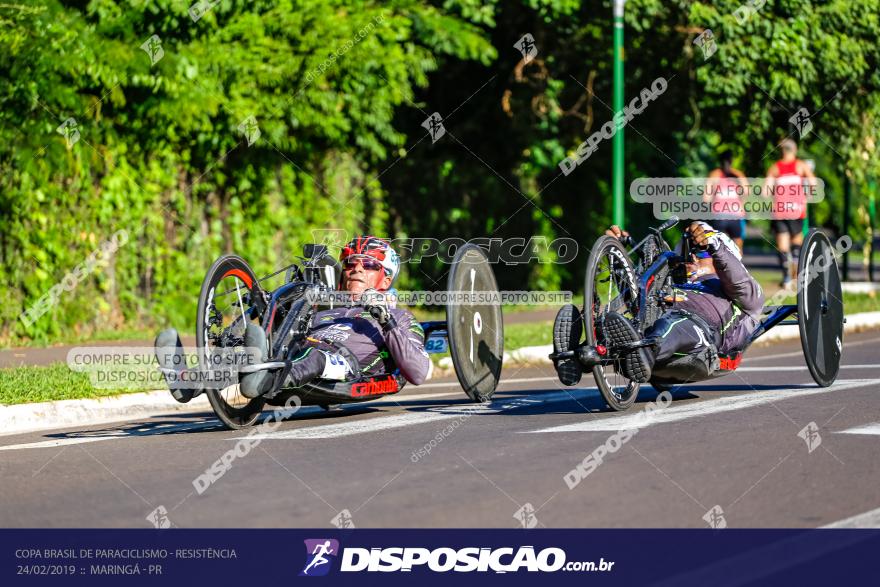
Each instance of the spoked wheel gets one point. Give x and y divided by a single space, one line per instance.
610 286
820 308
224 311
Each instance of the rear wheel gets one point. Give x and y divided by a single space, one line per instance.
610 286
223 314
820 308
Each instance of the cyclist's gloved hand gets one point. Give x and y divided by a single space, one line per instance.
374 302
617 232
704 236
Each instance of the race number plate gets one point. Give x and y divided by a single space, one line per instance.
436 344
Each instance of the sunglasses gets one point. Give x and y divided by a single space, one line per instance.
367 263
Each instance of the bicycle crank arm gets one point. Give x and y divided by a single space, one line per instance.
588 356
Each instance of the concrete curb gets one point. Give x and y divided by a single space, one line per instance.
861 287
21 418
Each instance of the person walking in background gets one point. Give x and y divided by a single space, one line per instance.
785 181
726 190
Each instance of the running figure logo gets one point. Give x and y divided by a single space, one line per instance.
526 516
801 121
153 48
706 42
250 129
810 435
70 131
526 46
715 518
317 552
434 126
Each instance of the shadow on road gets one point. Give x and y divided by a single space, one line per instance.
510 403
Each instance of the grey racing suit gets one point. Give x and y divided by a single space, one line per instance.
722 311
400 344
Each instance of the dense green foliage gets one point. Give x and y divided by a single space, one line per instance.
339 90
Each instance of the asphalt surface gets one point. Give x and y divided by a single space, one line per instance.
731 443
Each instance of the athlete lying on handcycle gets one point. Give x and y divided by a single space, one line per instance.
714 311
366 337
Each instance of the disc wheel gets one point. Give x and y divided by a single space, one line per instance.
820 308
475 328
610 286
223 312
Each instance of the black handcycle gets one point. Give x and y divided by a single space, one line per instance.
636 280
233 297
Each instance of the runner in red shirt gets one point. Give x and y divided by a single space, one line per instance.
785 180
726 189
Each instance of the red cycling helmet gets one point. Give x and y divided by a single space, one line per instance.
377 248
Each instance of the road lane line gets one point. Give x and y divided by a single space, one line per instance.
869 519
58 442
676 413
870 429
395 421
502 382
324 431
410 396
799 368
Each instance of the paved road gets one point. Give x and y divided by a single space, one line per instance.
731 443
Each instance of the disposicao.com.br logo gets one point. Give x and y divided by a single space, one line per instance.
318 553
444 559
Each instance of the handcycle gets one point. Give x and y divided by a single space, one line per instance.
636 282
232 297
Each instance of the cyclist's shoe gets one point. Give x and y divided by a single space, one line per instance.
257 383
636 364
172 363
567 329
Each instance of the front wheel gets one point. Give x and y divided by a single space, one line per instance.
820 308
223 314
610 286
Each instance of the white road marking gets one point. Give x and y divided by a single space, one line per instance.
411 396
800 368
349 428
59 442
393 421
869 519
323 431
502 382
871 429
703 408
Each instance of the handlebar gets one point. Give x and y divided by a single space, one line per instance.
673 220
